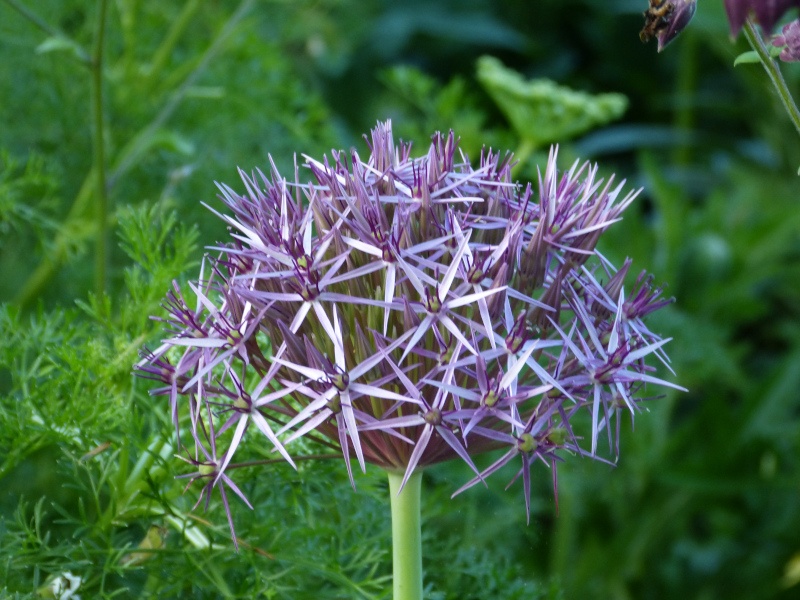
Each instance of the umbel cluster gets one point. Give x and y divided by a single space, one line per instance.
408 311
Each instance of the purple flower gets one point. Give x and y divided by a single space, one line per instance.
208 467
767 12
410 311
611 361
432 418
790 39
677 21
665 19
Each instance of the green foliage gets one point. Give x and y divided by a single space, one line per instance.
174 109
26 201
542 112
752 56
93 433
69 379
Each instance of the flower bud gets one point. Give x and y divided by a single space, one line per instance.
790 39
557 436
527 443
676 22
665 19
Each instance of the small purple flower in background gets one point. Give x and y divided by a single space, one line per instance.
767 12
789 39
665 19
412 311
676 22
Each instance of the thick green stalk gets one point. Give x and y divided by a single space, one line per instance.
101 201
406 536
774 72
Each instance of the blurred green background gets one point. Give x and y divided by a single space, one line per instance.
705 502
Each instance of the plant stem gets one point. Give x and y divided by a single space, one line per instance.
406 536
132 152
126 158
522 154
166 47
773 70
685 87
82 55
277 461
101 206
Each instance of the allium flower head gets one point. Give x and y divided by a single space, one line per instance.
410 311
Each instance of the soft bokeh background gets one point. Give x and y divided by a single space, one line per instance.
705 502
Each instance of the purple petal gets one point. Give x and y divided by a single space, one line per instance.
237 437
422 443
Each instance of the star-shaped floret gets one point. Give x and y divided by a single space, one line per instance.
336 399
436 304
432 418
607 365
210 469
537 439
246 409
493 396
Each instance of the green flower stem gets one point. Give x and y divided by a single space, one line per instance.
406 536
774 72
101 199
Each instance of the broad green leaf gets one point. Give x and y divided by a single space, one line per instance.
752 56
540 110
746 57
